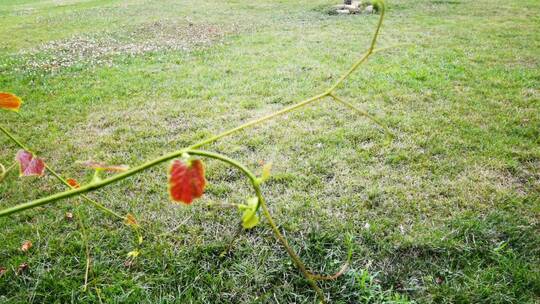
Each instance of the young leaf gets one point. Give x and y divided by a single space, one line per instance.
186 181
97 176
131 220
29 165
73 183
133 254
250 218
104 167
266 172
9 101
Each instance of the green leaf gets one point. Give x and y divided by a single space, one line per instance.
250 218
250 222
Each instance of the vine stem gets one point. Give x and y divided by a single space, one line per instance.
192 149
4 171
84 237
262 203
224 205
369 52
349 105
166 157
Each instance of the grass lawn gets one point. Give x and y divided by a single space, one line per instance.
449 212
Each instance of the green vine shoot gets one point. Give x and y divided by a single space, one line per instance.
186 175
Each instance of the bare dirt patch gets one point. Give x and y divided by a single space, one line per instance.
100 49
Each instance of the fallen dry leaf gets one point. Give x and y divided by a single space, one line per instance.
3 270
69 216
22 268
26 245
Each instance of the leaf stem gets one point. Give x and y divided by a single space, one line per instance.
105 182
389 134
84 237
11 167
2 172
224 205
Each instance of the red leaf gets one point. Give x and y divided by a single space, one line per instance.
186 181
105 167
73 183
29 165
9 101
